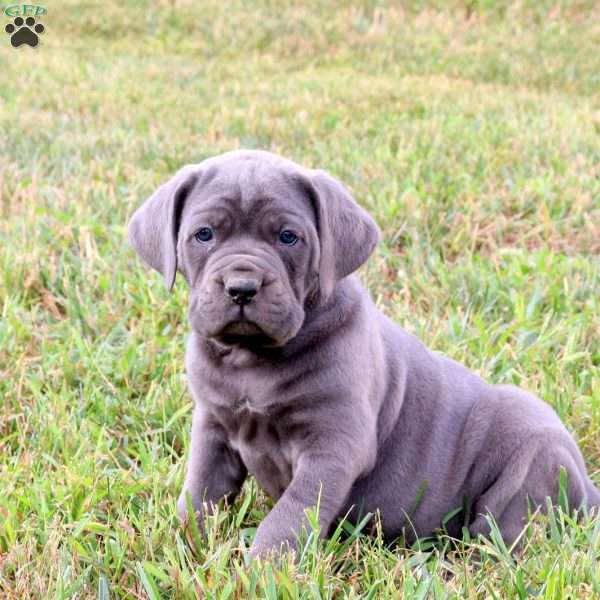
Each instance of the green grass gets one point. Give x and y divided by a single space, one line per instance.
471 130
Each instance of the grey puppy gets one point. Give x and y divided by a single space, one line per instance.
298 379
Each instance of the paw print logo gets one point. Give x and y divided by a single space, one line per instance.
24 32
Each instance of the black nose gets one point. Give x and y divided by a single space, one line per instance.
242 291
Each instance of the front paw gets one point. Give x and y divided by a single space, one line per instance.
270 544
273 553
182 509
184 503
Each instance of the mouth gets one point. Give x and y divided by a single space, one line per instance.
244 333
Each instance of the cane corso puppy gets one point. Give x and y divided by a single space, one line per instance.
298 379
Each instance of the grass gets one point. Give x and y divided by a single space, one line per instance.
471 130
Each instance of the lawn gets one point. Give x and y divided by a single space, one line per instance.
470 130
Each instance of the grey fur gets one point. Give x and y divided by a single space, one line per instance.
313 390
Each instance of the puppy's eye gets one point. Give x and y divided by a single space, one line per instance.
287 237
204 234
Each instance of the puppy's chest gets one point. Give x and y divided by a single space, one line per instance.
250 408
263 447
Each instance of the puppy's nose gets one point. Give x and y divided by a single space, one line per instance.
241 290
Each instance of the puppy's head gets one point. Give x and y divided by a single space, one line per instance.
259 239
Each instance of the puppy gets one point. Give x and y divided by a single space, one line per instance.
299 380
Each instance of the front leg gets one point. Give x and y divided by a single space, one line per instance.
320 478
215 470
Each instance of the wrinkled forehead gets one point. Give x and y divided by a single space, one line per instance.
249 187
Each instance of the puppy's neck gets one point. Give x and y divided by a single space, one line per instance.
332 316
235 356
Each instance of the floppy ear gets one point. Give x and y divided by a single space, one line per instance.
154 226
347 233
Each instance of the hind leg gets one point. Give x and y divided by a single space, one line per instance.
529 477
